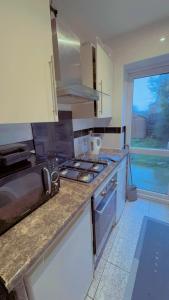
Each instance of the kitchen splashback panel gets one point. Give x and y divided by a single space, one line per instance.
54 139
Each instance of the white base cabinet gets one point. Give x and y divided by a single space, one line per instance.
67 270
121 188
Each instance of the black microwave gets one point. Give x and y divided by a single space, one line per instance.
25 189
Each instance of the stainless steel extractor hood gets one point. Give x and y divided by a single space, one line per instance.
66 46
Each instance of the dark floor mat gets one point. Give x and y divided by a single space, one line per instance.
152 276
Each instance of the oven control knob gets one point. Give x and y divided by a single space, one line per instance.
103 193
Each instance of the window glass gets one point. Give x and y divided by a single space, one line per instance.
150 117
150 172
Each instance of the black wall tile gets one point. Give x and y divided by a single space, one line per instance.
99 130
84 132
113 130
77 133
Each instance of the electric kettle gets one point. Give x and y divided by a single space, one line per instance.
95 143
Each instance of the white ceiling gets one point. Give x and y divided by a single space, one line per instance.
109 18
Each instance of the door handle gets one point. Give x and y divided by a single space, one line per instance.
53 85
47 181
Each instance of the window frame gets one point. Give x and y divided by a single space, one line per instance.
136 73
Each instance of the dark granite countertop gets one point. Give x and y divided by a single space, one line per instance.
23 244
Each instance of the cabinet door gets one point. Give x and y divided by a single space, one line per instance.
99 67
107 80
67 271
26 76
104 106
121 189
87 64
104 83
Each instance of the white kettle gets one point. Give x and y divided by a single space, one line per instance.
95 143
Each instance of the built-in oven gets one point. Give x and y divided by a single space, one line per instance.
24 189
104 214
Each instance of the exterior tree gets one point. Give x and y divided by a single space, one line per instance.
159 86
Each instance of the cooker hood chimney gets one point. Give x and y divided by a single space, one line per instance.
66 46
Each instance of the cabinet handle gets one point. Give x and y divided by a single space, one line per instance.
54 81
101 98
53 85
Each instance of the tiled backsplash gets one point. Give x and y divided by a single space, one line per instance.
112 137
100 130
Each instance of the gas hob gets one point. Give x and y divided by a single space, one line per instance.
82 170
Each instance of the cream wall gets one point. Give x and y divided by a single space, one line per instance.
132 47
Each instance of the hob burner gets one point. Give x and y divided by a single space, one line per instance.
82 170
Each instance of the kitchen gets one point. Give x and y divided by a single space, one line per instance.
68 229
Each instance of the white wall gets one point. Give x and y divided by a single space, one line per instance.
79 124
113 140
13 133
133 47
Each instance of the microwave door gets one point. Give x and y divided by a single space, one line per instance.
18 197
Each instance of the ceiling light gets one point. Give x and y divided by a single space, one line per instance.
162 39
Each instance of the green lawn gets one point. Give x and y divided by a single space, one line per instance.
152 161
148 142
151 173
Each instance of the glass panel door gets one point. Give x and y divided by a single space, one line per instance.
150 133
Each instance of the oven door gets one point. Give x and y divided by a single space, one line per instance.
105 218
20 193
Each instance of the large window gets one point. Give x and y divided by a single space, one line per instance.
150 121
150 133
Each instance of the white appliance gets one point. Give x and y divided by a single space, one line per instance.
95 143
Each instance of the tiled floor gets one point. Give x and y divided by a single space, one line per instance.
112 273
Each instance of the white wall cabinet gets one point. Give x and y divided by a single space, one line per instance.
104 81
67 271
27 92
121 188
103 70
97 72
